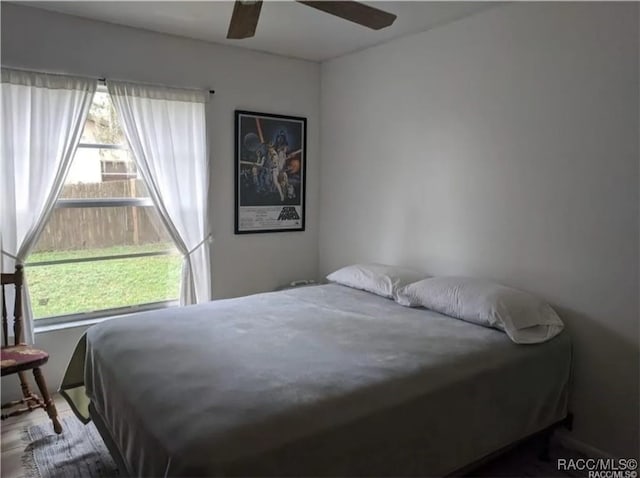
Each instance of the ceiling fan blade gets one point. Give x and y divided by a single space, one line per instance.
355 12
244 19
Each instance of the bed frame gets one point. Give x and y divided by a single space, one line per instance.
543 439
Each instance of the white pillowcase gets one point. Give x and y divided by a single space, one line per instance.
379 279
525 318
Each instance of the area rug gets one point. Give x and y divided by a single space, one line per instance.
78 452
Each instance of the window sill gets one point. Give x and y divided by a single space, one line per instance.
51 324
72 324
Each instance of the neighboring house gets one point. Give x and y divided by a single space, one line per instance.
94 165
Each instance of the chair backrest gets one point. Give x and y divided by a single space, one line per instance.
15 279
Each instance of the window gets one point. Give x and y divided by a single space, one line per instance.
104 249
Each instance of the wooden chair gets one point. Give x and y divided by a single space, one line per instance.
20 358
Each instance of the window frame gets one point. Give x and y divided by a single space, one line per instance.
62 203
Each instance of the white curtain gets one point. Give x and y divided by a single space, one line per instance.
166 131
41 122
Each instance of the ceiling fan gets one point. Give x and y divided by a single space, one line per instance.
246 13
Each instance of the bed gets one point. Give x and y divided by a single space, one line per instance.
315 381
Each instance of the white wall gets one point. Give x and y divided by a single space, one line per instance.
39 40
503 145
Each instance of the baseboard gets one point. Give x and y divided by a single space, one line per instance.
566 440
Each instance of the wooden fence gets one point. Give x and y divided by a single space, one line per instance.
99 227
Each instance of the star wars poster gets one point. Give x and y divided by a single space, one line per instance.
270 161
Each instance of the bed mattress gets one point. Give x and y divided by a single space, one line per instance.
322 380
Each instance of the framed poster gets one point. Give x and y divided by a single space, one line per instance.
270 162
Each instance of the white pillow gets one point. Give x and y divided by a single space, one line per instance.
525 318
379 279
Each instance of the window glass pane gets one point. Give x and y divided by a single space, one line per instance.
90 286
103 173
103 231
102 126
94 232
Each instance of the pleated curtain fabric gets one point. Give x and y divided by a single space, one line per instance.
166 131
42 118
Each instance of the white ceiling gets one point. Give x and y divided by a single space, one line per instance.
285 27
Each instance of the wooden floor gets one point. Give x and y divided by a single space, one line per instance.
12 442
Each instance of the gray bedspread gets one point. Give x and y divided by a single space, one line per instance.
322 380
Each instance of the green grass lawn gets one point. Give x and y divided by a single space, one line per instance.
88 286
